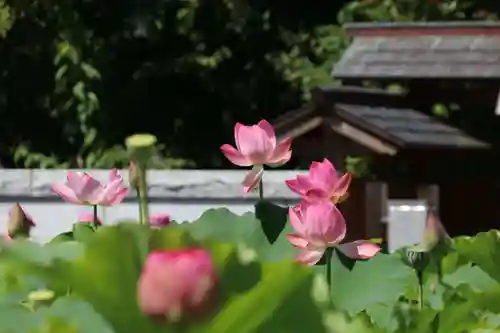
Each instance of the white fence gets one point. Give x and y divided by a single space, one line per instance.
183 194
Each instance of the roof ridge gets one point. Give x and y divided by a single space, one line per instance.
422 25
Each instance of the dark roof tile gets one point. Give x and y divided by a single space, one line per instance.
422 25
406 127
421 56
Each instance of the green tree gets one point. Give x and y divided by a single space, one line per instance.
80 76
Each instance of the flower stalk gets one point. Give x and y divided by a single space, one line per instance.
261 189
141 148
137 179
420 289
328 268
418 258
96 218
142 194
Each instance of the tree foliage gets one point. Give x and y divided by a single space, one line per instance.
79 76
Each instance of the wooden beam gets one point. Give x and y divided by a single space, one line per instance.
302 128
429 92
290 118
327 96
363 138
419 91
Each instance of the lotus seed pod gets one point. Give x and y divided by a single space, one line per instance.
141 148
417 258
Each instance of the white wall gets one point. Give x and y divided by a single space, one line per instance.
53 218
184 195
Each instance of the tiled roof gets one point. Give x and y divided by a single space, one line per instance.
428 50
329 95
406 127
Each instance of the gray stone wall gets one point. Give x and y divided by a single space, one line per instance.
184 194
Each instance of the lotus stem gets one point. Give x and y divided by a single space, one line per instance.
138 195
328 268
439 268
420 279
261 189
141 148
142 194
96 218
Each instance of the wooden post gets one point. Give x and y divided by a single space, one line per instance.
430 193
376 196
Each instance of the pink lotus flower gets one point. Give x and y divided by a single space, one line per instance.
321 183
82 189
88 218
159 220
6 237
256 145
177 283
319 226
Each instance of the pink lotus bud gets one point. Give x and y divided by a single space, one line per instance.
19 222
159 220
88 218
435 233
177 284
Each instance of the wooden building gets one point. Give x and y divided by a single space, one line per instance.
412 154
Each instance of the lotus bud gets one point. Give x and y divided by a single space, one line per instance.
159 220
178 284
19 223
434 234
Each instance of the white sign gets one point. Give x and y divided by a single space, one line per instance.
405 223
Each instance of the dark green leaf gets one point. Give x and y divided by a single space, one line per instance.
273 219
